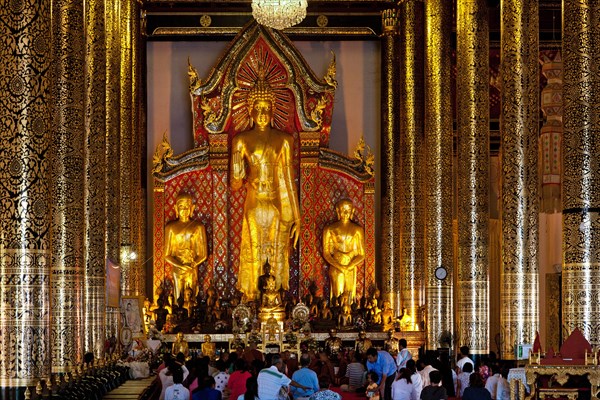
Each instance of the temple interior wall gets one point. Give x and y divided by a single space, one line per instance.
356 112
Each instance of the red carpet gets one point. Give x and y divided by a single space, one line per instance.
356 396
349 395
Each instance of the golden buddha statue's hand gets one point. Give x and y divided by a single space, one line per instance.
239 170
295 233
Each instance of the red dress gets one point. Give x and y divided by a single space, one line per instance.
237 383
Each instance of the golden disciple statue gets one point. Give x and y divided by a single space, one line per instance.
185 245
180 345
343 249
208 348
263 158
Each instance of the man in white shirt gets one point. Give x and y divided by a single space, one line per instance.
272 382
424 369
492 382
464 354
403 355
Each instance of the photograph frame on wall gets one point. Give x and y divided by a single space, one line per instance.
132 317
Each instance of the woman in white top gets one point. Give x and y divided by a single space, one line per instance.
402 388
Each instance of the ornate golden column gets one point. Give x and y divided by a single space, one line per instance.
472 89
113 186
438 183
94 190
519 310
25 215
128 267
411 113
113 79
390 165
67 195
581 186
138 215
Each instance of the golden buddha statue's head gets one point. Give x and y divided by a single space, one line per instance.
332 332
184 205
390 333
260 91
344 209
180 337
362 334
207 338
261 103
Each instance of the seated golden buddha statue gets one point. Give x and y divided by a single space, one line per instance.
185 245
270 299
343 249
406 321
363 343
387 315
180 345
262 159
209 349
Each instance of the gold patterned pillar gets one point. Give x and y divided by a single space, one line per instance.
138 214
581 156
128 270
438 184
411 114
67 165
519 304
94 190
472 89
112 156
25 215
113 144
390 165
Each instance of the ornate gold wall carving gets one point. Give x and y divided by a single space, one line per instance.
473 173
390 175
581 185
438 183
94 191
25 221
520 205
411 113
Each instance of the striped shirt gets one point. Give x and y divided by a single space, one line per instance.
270 382
355 372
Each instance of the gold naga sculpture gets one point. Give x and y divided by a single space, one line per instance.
344 250
262 158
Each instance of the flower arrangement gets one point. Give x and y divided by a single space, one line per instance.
254 337
221 326
360 324
291 338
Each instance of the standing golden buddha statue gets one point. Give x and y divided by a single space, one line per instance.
343 249
185 246
263 158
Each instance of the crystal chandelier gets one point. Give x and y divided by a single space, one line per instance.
279 14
